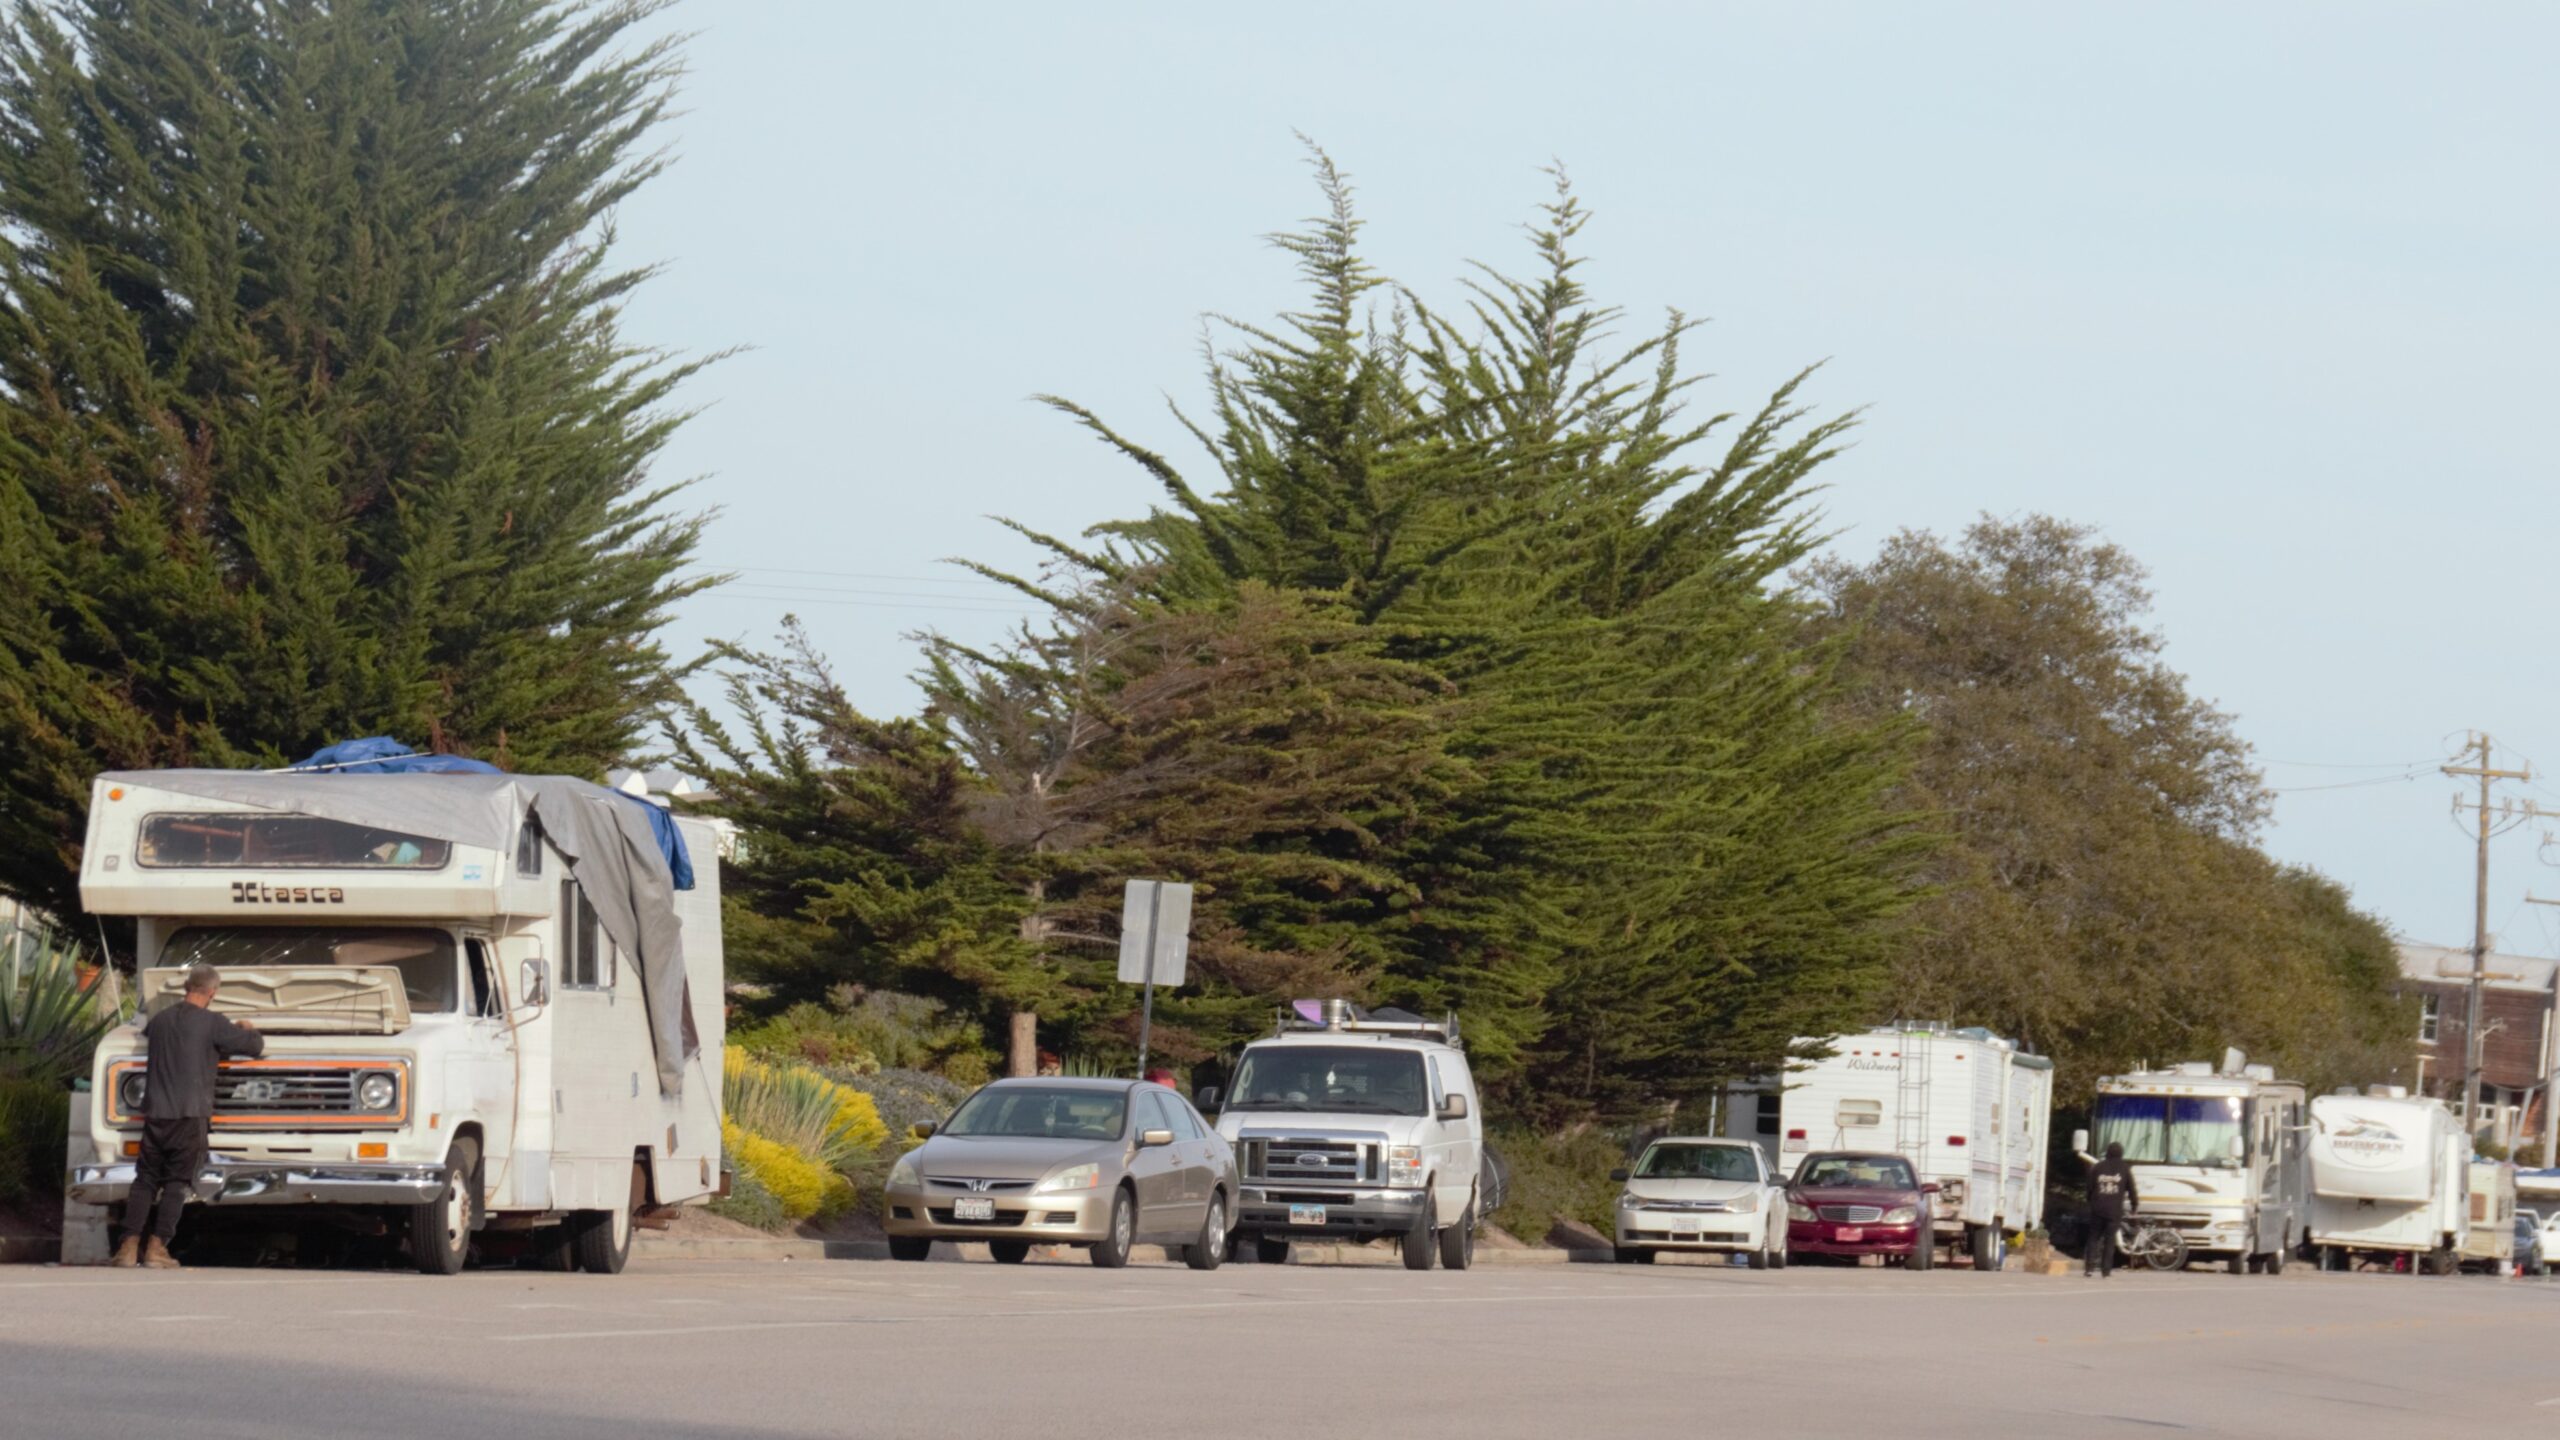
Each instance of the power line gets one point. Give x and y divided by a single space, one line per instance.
2427 763
2400 779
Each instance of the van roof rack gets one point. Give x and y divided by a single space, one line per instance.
1344 1017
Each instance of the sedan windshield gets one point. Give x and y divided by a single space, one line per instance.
1042 1112
2172 1129
1698 1162
1857 1172
1324 1078
424 958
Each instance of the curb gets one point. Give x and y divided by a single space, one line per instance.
662 1247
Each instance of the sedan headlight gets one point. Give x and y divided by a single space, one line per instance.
1074 1177
1404 1166
1901 1215
1798 1210
376 1091
903 1176
132 1091
1629 1200
1743 1204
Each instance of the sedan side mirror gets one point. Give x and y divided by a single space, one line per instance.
1453 1107
922 1130
1205 1098
1149 1139
536 983
1930 1189
1619 1175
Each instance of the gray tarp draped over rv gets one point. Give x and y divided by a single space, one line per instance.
611 852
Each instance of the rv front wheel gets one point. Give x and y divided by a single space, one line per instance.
603 1243
440 1230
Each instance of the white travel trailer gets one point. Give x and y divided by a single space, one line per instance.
487 1007
1969 1110
2489 1238
2389 1176
2217 1153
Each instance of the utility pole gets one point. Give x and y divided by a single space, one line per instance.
2550 1064
2479 747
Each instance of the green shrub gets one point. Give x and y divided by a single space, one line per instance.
35 1120
860 1030
50 1016
834 1125
748 1202
908 1098
1555 1176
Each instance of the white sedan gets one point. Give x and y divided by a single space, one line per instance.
1702 1194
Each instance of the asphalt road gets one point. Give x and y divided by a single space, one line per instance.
1058 1352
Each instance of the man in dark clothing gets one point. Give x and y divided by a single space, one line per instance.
2111 1198
187 1043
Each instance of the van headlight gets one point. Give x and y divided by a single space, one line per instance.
1404 1166
1074 1177
132 1091
376 1091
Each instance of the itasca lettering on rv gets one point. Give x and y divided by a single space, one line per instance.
250 892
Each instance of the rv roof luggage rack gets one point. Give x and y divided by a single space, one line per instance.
1342 1015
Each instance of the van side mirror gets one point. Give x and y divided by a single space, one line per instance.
536 983
1150 1139
1619 1175
1453 1107
1205 1099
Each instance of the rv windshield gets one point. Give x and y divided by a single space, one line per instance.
1324 1078
2172 1129
424 958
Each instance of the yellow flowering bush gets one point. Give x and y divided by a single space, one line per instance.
795 1132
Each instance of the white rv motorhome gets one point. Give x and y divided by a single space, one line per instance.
2217 1153
1969 1110
2388 1176
487 1008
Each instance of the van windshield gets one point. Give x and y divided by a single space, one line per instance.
2172 1129
1324 1078
424 958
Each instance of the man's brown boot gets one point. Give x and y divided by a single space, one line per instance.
156 1256
128 1254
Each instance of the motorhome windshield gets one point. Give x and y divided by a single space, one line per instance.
2172 1129
424 958
258 841
1324 1078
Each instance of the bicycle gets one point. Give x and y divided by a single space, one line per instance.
2155 1243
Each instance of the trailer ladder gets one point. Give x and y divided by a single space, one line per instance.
1911 1100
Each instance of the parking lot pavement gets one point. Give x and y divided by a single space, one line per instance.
1062 1351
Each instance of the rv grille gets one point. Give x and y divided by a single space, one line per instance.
1279 1160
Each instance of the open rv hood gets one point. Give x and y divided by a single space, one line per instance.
295 999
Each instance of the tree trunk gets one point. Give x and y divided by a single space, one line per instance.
1024 1058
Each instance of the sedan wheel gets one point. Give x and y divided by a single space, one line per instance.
1112 1251
1205 1252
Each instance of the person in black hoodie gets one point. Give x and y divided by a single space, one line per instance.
187 1044
2111 1198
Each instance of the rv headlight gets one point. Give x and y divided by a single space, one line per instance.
132 1091
902 1176
1901 1215
376 1091
1074 1177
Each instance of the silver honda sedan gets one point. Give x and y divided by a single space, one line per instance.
1102 1164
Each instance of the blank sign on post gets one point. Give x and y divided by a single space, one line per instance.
1161 910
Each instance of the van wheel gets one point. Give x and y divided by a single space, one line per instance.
1267 1251
910 1247
440 1230
1112 1250
1205 1252
1458 1242
1421 1241
603 1243
2275 1257
1009 1252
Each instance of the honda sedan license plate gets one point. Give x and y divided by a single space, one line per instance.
1306 1214
1850 1234
973 1209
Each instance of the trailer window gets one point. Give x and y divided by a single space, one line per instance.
1765 1119
424 958
257 841
1859 1114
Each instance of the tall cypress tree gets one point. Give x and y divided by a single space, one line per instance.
315 418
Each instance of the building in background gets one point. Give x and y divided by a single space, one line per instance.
2519 1007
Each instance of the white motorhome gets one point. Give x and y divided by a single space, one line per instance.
487 1008
1352 1126
2388 1177
2218 1153
1970 1111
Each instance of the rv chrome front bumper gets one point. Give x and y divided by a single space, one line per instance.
229 1181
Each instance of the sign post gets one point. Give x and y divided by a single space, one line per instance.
1155 945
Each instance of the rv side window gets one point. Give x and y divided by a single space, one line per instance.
586 959
1860 1114
484 989
1767 1116
529 849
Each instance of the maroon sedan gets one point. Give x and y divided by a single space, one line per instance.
1853 1203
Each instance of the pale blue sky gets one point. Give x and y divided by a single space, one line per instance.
2265 292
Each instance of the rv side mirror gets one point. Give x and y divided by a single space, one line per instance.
2080 1143
1150 1139
2239 1148
1205 1099
1453 1107
1619 1175
537 983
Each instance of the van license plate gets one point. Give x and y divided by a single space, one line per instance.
973 1209
1306 1214
1849 1234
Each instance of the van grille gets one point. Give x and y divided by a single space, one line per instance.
1279 1160
279 1091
